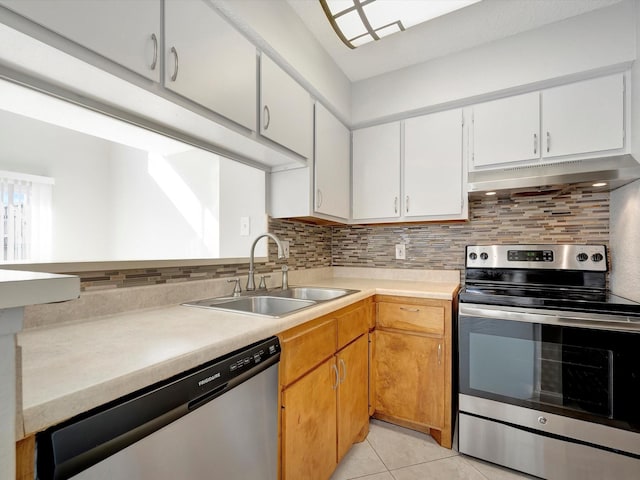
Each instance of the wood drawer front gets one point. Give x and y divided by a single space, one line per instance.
353 324
302 350
415 318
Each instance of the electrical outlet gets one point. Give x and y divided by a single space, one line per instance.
401 252
245 226
285 248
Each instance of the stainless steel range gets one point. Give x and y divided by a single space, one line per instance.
549 363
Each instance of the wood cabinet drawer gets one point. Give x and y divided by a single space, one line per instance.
304 348
415 318
352 324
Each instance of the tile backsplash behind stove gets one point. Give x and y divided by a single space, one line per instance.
575 215
567 215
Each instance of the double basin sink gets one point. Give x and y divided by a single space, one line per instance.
275 303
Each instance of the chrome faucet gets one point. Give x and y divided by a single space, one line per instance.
251 284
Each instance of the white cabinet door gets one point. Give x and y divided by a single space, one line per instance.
125 32
286 109
376 172
332 181
583 117
210 62
433 164
506 130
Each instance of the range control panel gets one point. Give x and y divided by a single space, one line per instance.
558 257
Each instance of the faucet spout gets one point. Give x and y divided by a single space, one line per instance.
251 285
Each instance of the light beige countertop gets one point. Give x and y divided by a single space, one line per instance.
19 288
70 368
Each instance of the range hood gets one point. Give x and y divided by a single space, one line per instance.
616 171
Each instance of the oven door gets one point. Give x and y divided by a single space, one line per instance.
570 364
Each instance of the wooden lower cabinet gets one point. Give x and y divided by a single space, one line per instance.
412 365
324 409
353 394
409 378
309 410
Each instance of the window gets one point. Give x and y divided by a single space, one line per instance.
25 229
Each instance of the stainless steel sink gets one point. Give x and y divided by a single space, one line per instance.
318 294
261 305
276 303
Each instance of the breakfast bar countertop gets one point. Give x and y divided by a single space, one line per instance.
70 368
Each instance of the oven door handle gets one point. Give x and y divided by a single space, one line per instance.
552 317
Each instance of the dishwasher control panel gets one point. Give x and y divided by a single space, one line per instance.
216 377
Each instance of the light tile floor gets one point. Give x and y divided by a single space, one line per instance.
394 453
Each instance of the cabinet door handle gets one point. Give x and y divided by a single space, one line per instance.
548 142
335 370
319 198
439 354
535 143
154 62
395 205
344 370
266 116
175 70
413 310
407 203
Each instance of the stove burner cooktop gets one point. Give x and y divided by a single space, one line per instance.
559 277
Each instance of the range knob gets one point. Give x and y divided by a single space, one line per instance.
582 257
597 257
484 255
473 255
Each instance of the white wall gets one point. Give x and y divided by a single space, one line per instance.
164 206
242 194
625 241
587 42
79 165
276 26
625 205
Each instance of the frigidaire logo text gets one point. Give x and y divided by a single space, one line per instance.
204 381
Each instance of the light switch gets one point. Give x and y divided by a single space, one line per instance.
401 252
245 226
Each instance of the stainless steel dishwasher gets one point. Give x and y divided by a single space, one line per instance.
217 421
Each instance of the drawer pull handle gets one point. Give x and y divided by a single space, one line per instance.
344 370
439 354
176 64
413 310
154 62
335 370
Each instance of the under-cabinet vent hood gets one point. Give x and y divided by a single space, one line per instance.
615 171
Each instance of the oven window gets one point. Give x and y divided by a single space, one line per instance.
570 371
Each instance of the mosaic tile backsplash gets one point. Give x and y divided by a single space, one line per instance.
565 215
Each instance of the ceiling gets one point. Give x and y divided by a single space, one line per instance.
480 23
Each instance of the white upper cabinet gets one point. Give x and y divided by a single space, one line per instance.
433 165
583 117
286 109
332 180
506 130
125 32
376 172
209 61
579 120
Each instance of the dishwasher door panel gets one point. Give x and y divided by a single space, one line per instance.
233 437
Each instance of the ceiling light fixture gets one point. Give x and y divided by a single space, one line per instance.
599 184
490 193
357 22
